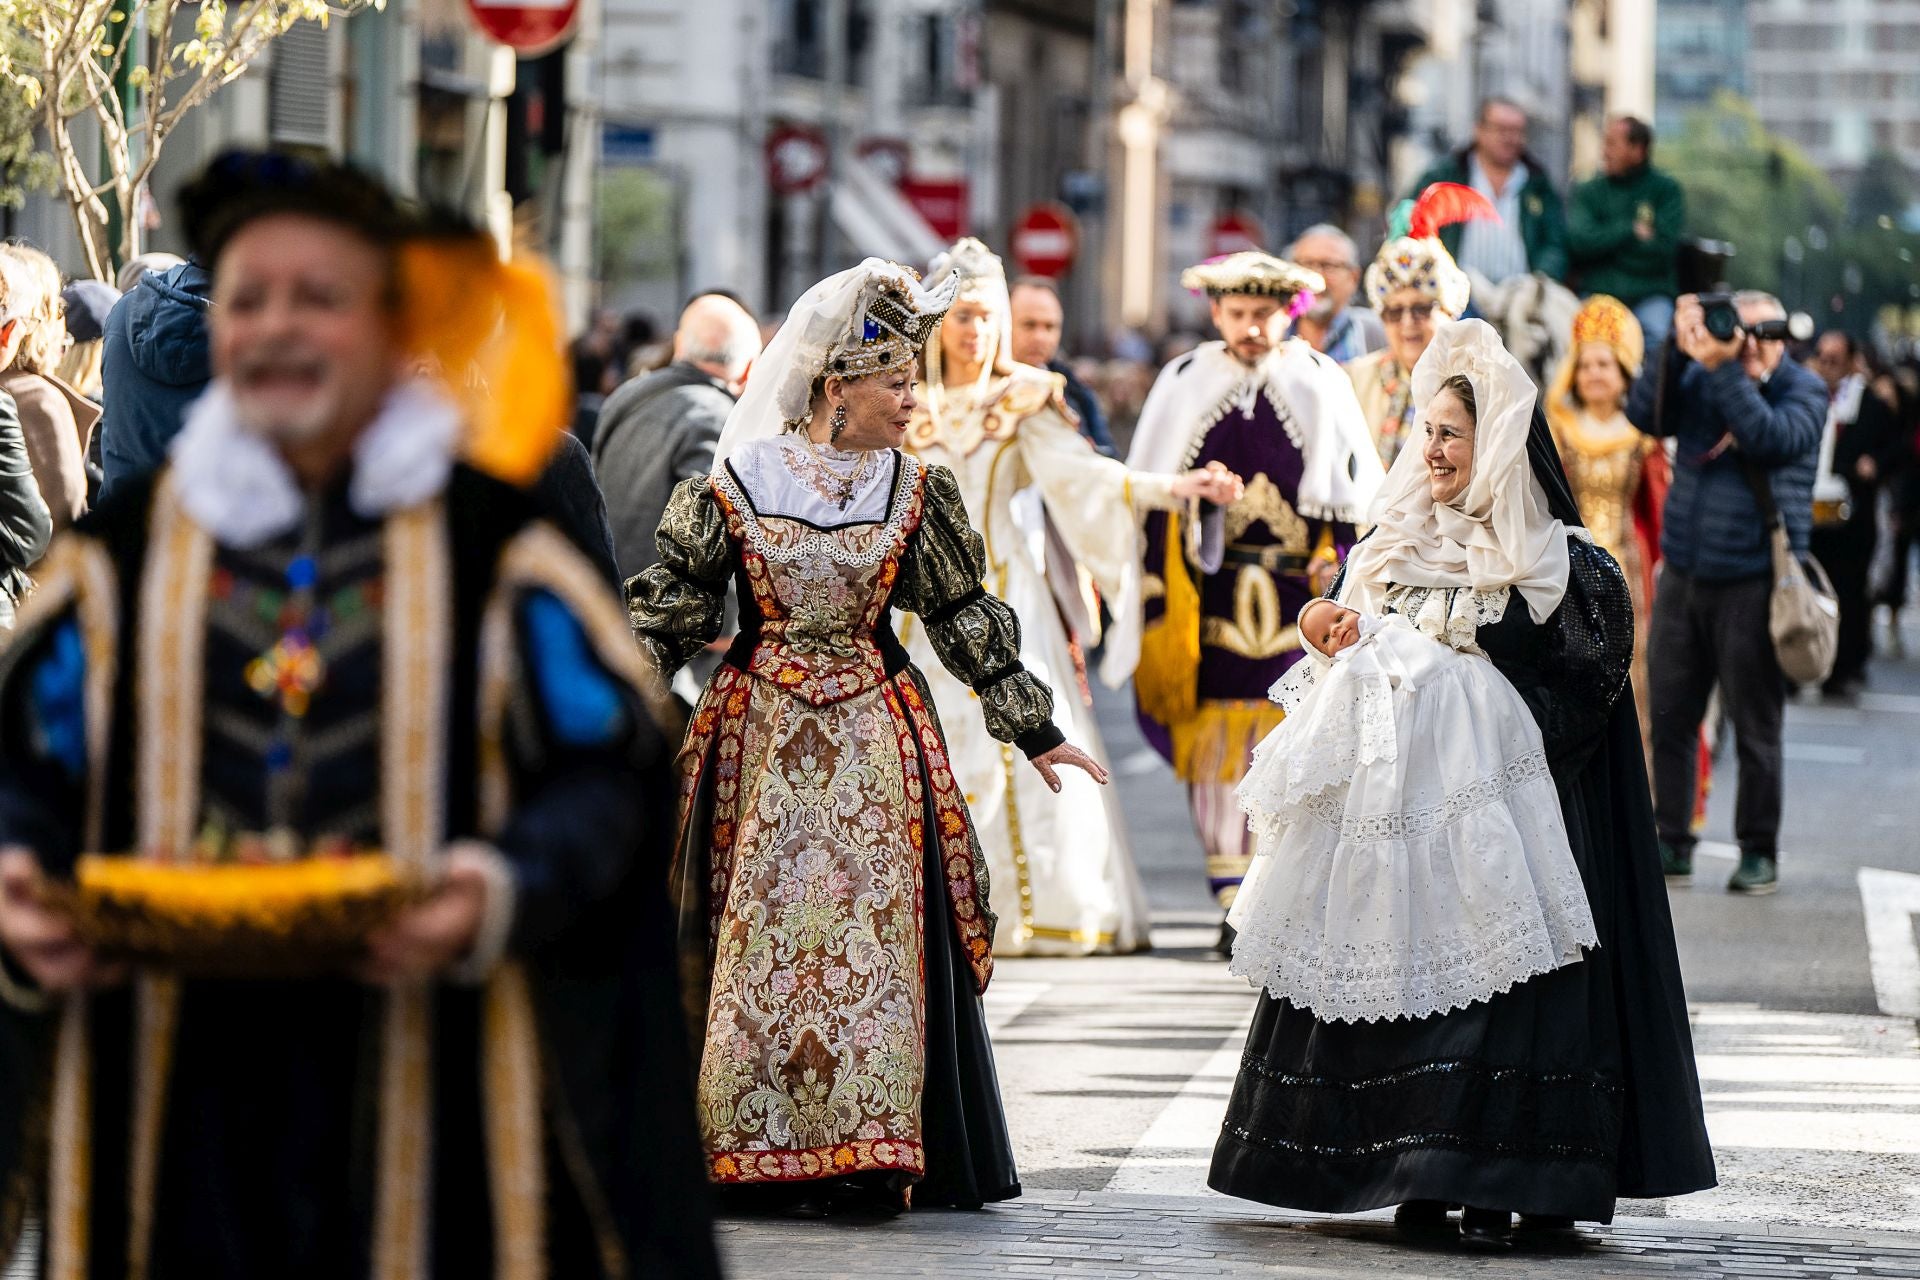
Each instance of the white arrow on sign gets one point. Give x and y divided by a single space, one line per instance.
1890 900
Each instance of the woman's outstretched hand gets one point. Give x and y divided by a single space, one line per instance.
1064 754
1211 483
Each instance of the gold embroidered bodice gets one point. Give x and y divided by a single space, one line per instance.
1604 461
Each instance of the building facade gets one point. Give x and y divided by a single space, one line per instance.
1840 78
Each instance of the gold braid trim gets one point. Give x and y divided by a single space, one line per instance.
170 692
539 557
417 653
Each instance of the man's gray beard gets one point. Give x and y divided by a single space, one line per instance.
287 430
1322 313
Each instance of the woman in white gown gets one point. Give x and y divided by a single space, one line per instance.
1063 880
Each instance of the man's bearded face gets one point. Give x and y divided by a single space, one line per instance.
1250 324
302 328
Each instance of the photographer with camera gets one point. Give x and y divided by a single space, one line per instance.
1745 418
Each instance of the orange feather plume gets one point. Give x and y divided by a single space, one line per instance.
492 330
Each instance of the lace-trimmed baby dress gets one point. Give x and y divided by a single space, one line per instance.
1412 853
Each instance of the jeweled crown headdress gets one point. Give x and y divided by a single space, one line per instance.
1252 272
1413 256
891 322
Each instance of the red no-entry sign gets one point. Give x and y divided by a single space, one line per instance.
1234 231
528 27
1044 240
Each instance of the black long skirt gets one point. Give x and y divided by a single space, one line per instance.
1565 1092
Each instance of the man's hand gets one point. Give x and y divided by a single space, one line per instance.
41 940
430 937
1691 336
1212 483
1644 231
1867 469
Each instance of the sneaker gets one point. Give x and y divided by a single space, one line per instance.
1759 873
1676 863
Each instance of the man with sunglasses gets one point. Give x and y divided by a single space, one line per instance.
1730 404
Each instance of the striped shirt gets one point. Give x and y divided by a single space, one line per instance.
1495 249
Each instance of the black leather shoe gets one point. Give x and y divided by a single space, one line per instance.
1225 945
1486 1230
1421 1215
1544 1222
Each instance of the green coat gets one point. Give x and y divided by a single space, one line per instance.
1543 221
1607 256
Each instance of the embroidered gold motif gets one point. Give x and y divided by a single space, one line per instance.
1258 629
1265 504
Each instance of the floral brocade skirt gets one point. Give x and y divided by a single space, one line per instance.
846 942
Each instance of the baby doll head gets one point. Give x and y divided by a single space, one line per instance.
1327 627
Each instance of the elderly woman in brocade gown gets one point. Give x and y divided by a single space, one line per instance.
832 896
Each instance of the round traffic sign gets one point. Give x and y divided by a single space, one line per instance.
1234 231
528 27
796 159
1044 240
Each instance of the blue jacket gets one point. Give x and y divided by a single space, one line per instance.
153 366
1712 527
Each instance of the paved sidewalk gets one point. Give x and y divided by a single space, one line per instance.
1086 1234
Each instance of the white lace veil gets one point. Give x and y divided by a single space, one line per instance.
1498 533
831 316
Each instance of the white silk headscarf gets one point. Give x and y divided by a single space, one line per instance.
1498 533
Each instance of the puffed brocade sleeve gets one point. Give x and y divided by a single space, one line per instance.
975 634
677 606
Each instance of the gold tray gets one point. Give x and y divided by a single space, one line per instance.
304 915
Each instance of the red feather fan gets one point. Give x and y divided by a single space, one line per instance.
1445 203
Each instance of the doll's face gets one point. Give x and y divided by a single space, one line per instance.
1329 627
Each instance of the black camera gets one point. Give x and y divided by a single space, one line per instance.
1722 319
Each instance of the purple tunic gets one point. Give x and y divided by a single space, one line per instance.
1247 633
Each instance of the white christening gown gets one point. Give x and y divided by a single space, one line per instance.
1412 857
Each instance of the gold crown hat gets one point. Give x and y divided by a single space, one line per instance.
1605 319
891 322
1252 272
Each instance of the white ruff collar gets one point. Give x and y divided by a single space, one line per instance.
237 487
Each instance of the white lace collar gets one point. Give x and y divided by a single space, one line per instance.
237 487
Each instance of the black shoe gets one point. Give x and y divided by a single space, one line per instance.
1421 1216
1758 875
1544 1222
1486 1230
1676 863
1225 945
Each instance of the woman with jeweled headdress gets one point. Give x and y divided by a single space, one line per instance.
1415 285
1064 880
1619 475
832 896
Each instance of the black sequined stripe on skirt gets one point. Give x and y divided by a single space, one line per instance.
1509 1104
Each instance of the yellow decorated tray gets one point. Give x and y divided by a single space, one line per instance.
236 917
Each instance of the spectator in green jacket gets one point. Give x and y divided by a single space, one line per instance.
1623 229
1532 232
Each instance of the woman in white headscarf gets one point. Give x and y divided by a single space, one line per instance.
1568 1089
1064 880
832 896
